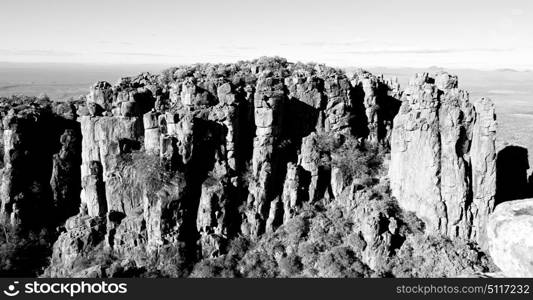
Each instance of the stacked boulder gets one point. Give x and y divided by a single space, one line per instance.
339 110
380 99
269 100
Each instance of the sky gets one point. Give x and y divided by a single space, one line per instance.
409 33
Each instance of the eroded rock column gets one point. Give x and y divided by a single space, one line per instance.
416 154
483 159
268 103
443 157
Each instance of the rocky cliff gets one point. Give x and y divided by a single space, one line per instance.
260 168
40 174
443 157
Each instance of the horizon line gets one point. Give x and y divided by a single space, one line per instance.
346 66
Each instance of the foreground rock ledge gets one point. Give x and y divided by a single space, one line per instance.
509 233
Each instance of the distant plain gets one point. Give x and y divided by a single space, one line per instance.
62 81
511 91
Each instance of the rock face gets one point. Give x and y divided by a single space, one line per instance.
483 167
339 112
443 157
268 114
100 97
104 140
380 99
82 236
66 173
39 138
292 192
212 221
509 237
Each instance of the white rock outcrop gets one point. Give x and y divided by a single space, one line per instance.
443 157
509 237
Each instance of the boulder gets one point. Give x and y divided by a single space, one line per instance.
101 93
509 237
82 235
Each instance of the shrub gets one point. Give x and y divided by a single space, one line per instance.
24 254
356 241
171 261
341 262
238 247
437 256
356 160
246 176
290 265
309 252
296 228
208 268
413 223
225 265
258 264
140 169
167 76
97 256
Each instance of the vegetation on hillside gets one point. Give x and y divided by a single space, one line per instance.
24 254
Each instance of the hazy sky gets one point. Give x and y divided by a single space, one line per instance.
451 33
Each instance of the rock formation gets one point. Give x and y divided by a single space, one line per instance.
483 161
178 167
40 163
509 237
443 157
269 101
202 129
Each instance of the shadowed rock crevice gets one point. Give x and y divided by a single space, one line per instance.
511 178
40 185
